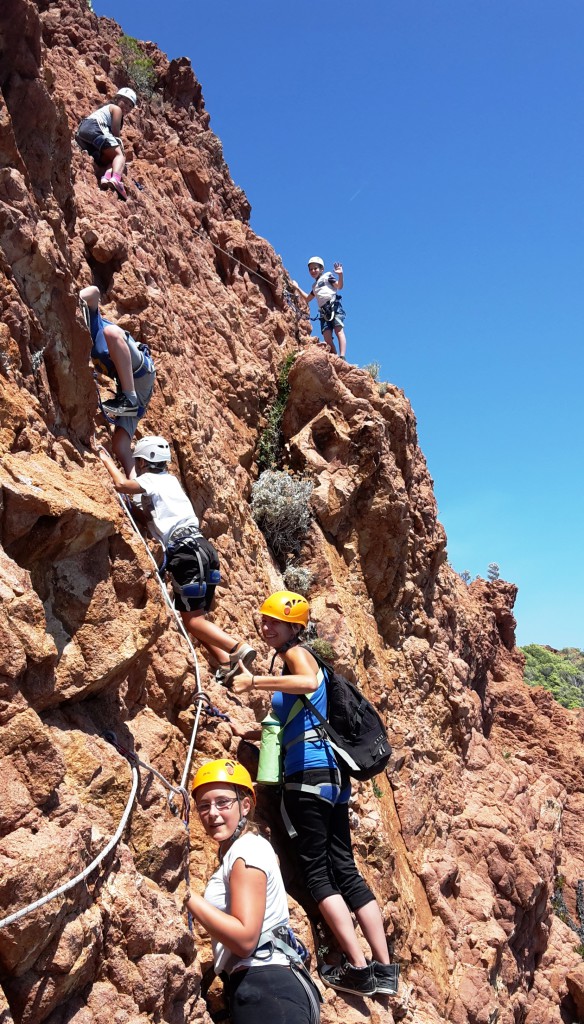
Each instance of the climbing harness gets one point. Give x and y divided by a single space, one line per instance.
187 537
67 886
289 297
283 939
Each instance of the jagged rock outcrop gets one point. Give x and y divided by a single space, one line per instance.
478 824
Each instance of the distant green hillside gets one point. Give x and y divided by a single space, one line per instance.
560 672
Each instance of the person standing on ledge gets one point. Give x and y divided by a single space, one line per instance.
99 135
325 290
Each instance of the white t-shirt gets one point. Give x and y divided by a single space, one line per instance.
102 116
170 505
256 852
323 288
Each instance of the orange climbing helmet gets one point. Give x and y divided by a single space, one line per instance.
224 770
287 606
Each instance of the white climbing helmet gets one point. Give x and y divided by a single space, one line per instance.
128 94
317 260
152 449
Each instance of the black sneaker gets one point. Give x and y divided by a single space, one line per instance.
386 978
346 978
120 406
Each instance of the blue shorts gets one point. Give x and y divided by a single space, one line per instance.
332 315
144 384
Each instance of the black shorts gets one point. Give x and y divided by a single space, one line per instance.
272 993
183 565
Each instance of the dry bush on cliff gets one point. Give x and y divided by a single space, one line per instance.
279 505
298 579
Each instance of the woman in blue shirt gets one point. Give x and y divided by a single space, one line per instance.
316 798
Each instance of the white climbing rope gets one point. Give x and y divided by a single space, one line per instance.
90 867
135 763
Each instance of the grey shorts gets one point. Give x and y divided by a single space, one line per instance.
93 138
144 387
337 319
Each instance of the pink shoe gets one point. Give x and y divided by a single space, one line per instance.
117 184
106 180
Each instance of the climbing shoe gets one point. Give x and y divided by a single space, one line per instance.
345 978
228 670
106 181
386 978
119 187
120 406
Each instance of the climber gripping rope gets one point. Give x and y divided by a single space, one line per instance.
99 135
245 910
316 792
115 354
191 561
325 290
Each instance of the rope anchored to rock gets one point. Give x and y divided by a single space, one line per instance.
67 886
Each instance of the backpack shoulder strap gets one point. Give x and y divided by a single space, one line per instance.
332 735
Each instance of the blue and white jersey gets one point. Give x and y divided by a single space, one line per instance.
314 753
323 289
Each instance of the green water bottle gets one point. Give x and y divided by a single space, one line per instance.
270 763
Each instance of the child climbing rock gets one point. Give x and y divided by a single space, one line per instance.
115 353
316 800
99 135
325 290
245 909
191 561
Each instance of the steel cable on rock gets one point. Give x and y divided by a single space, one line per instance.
288 296
6 921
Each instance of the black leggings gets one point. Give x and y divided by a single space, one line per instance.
324 845
273 995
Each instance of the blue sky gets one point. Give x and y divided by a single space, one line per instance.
435 148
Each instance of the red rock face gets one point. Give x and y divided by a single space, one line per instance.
479 819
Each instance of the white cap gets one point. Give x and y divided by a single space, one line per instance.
316 259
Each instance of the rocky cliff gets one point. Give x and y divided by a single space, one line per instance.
473 841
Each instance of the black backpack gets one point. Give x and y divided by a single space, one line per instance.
354 728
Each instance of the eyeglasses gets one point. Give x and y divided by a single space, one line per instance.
224 803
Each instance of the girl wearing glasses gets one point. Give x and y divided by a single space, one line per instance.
244 909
